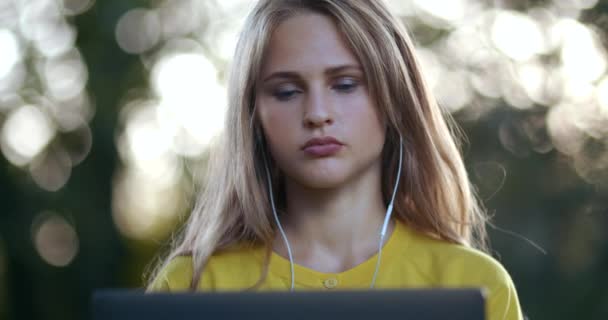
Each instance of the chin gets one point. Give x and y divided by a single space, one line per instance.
321 179
323 183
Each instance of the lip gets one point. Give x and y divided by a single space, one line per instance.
324 146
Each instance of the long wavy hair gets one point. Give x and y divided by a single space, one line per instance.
435 196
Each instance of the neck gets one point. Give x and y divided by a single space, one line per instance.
340 226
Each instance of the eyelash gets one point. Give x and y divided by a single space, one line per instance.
345 87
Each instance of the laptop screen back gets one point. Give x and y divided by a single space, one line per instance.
420 304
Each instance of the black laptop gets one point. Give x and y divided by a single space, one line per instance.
419 304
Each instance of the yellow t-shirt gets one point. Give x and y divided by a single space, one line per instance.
409 260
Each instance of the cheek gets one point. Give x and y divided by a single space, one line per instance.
278 127
364 119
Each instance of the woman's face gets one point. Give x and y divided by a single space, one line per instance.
312 86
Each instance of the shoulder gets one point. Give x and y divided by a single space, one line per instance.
237 257
236 267
452 264
467 267
176 275
455 265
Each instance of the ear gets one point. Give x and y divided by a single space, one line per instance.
255 125
258 133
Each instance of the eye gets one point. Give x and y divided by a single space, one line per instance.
346 85
285 91
285 94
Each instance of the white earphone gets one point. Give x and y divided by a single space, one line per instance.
387 217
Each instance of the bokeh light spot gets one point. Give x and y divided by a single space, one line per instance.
453 90
516 35
138 30
567 137
9 46
602 96
25 133
583 57
141 208
193 104
14 80
55 38
51 171
146 148
401 8
35 17
55 239
65 77
535 80
449 11
577 4
74 7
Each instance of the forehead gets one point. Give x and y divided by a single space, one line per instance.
307 42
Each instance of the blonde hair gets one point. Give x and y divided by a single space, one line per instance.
435 196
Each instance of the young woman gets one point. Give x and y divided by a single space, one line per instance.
337 168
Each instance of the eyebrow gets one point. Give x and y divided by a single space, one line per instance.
295 75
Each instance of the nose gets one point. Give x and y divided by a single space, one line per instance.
317 109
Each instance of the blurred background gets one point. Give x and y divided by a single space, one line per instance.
107 108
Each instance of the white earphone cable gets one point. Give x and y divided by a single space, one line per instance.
389 212
276 218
